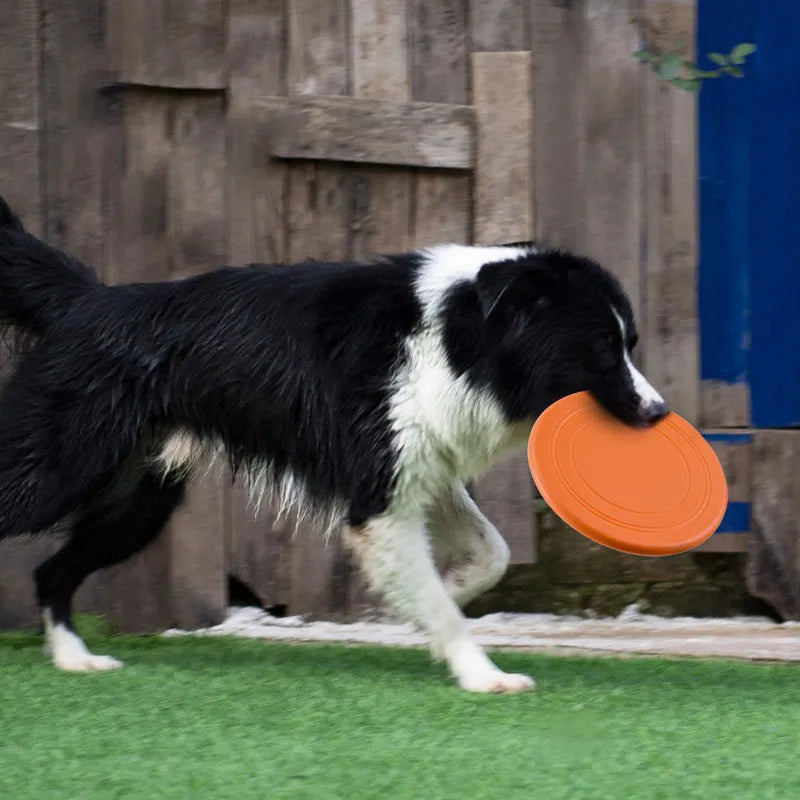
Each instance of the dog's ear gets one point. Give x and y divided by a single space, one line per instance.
507 285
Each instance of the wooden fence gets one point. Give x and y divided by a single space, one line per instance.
155 139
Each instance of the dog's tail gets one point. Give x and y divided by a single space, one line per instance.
38 283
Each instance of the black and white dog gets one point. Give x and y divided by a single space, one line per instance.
362 394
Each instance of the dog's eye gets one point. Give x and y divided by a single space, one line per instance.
611 340
633 341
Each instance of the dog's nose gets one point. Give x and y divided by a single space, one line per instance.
654 412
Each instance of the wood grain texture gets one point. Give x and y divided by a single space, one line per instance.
558 42
73 70
503 195
773 554
613 165
318 216
724 405
177 44
439 65
196 236
375 131
503 211
20 130
259 547
499 25
166 210
669 327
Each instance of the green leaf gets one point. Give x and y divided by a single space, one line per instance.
687 84
670 67
718 58
741 51
735 71
645 55
696 72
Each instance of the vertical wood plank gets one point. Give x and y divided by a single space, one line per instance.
317 222
20 130
559 53
135 594
499 25
773 556
438 35
380 197
503 211
614 174
74 122
196 239
259 548
177 44
670 322
502 94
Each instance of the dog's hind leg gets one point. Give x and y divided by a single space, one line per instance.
102 536
394 553
473 554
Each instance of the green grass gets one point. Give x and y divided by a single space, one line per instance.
222 718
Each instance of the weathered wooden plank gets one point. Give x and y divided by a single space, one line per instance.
196 185
198 574
196 238
73 69
503 211
670 335
773 555
20 124
438 34
20 181
375 131
177 44
259 546
317 224
724 405
613 166
317 54
380 198
502 94
137 179
256 47
499 25
559 54
166 211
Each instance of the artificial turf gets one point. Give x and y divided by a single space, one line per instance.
225 718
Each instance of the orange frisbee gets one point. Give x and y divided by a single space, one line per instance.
647 491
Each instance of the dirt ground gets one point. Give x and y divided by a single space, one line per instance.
631 633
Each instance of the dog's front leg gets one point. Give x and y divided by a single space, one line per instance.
471 550
394 553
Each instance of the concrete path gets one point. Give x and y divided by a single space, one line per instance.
632 633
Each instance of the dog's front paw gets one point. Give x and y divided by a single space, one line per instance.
86 662
497 682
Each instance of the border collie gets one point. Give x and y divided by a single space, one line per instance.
364 395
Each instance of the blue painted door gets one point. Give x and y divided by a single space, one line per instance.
749 289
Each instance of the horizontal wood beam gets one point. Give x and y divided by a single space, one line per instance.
435 135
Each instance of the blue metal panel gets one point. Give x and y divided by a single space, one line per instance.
725 121
728 438
775 218
736 519
749 287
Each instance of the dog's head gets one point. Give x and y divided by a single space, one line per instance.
555 324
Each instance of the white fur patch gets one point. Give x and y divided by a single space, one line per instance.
648 396
447 264
68 650
444 429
